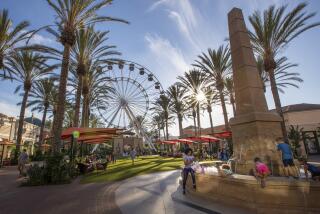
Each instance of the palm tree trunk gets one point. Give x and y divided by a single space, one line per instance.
167 131
277 101
83 114
164 134
195 125
224 110
233 104
77 105
58 122
211 123
43 122
180 125
88 112
198 118
21 121
159 132
85 111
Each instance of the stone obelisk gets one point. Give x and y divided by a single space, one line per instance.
254 128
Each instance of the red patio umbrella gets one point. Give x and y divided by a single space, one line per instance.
185 141
90 131
226 134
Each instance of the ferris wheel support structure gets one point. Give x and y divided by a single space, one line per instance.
139 130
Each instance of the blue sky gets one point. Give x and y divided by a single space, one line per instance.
167 35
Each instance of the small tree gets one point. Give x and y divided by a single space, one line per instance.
295 136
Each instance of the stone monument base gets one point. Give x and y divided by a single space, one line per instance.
281 195
253 136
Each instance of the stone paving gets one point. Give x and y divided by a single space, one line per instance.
160 193
157 193
55 199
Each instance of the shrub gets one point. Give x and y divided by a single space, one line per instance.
36 175
38 156
56 170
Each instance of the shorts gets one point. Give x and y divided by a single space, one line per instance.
315 174
288 162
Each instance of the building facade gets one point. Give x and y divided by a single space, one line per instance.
8 133
304 117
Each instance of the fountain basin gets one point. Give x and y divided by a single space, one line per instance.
281 195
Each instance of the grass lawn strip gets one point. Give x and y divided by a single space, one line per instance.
124 169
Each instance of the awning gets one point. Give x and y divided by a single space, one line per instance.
45 145
170 142
226 134
204 138
6 142
90 132
185 141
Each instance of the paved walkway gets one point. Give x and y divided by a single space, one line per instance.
70 198
160 193
157 193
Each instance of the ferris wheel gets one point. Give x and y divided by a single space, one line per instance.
134 90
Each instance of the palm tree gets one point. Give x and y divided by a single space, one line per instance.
157 123
211 98
53 100
95 121
263 75
230 89
163 107
89 46
72 15
95 91
69 115
192 113
272 32
177 95
26 67
10 36
194 82
40 95
283 77
217 65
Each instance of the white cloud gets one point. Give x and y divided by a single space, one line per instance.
183 27
39 39
195 28
13 110
9 109
157 4
169 58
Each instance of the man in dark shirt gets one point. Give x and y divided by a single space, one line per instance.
314 170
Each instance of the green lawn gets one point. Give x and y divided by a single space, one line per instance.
124 169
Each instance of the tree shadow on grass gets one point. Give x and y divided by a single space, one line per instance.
120 174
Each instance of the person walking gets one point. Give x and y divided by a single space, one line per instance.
188 160
22 160
114 158
287 158
133 154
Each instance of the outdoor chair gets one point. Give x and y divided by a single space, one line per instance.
85 168
102 166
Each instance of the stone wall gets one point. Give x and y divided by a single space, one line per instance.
281 195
